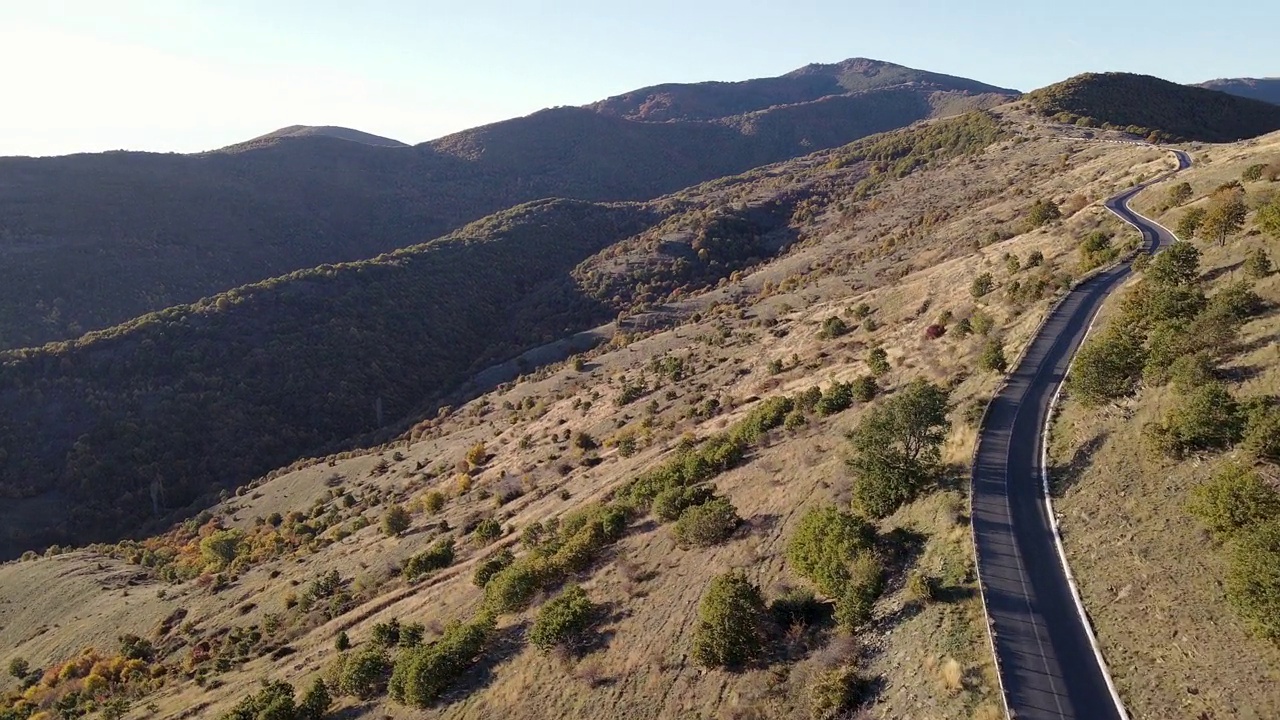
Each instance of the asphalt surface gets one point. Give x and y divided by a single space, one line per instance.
1048 667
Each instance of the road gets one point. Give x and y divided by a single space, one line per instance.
1044 647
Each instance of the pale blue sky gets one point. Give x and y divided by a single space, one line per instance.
192 75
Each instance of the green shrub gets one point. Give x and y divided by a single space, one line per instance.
364 673
341 642
921 587
1179 264
731 616
1262 430
822 544
1035 259
877 361
1234 499
564 620
898 447
315 702
273 702
486 531
707 524
1141 262
1207 418
421 675
511 589
1253 173
982 322
669 504
832 327
437 557
1107 367
395 521
837 398
836 693
1042 212
856 602
492 565
1253 578
992 358
982 285
1257 264
1189 223
864 388
433 502
1179 194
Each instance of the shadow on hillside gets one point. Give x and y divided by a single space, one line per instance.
1240 373
1216 273
1063 477
505 644
1265 341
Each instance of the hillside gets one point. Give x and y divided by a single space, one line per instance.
600 471
333 131
720 100
90 241
1149 106
1165 488
1264 89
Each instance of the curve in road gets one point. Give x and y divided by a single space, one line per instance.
1046 654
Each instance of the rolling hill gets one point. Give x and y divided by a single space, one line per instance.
1264 89
1150 106
89 241
332 131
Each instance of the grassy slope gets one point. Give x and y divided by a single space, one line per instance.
1150 575
654 587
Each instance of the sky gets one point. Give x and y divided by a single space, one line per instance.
190 75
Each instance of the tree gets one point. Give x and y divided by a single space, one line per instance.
1257 264
1262 430
562 621
898 447
1233 500
878 361
1042 212
707 524
822 545
1253 578
857 601
992 358
730 622
1180 194
422 674
1208 418
433 502
982 285
342 643
1177 265
316 701
1190 222
219 548
1224 217
1268 217
395 521
438 556
1108 367
865 389
486 531
492 565
832 327
19 667
364 674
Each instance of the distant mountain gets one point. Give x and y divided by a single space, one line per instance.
1151 106
718 100
1264 89
88 241
332 131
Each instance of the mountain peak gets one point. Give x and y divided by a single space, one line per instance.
330 131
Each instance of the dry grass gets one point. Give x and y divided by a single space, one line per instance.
652 586
1150 576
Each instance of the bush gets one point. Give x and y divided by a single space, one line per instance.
822 544
1035 259
342 643
864 389
273 702
1179 194
1234 499
992 358
563 621
492 565
433 502
1107 367
19 667
921 587
437 557
837 398
1141 262
1207 418
707 524
364 674
933 332
1253 173
877 361
982 285
486 531
511 589
982 322
832 327
316 701
1257 264
421 675
1042 212
395 521
1189 372
671 503
1253 578
1262 431
730 623
1190 222
898 447
836 693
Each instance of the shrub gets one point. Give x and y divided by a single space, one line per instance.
437 557
669 504
486 531
1253 578
898 447
1107 367
832 327
315 703
1141 262
1179 194
1253 173
492 565
478 455
273 702
1189 372
857 600
982 322
933 332
992 358
1190 222
421 675
1207 418
921 587
19 667
1262 431
835 693
1233 500
1257 264
563 621
395 521
511 589
387 634
342 643
364 674
982 285
730 623
864 389
877 361
1035 259
1042 212
822 544
837 398
585 442
433 502
707 524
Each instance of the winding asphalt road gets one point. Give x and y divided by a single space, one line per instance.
1047 657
